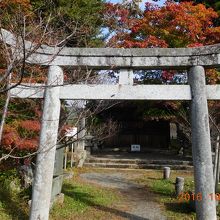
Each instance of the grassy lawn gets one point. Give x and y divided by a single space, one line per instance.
164 191
82 201
85 201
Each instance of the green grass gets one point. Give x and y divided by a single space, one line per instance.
89 201
13 201
175 208
164 191
80 200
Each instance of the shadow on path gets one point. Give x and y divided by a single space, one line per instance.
85 198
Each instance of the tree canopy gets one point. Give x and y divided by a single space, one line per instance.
172 25
210 3
82 16
78 22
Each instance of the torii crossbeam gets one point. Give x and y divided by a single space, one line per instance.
126 60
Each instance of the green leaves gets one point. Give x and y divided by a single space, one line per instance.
80 18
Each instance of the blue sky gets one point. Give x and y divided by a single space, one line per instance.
161 2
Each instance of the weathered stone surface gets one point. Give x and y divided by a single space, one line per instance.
58 165
113 62
117 92
179 185
105 58
79 157
201 145
126 77
57 186
26 175
42 185
59 199
166 173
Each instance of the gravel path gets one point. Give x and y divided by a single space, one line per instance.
141 204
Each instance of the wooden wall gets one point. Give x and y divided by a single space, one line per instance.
149 134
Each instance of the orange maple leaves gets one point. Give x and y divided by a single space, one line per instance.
173 25
23 136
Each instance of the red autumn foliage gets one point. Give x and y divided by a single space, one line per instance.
27 144
182 24
195 45
10 137
172 25
31 125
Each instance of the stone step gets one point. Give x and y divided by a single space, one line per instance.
138 166
137 161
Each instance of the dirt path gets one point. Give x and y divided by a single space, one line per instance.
140 203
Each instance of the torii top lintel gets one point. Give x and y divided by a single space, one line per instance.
118 58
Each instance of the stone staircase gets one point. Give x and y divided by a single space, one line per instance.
138 163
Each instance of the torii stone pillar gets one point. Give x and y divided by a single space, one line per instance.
201 146
42 185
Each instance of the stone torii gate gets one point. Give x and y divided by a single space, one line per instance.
126 60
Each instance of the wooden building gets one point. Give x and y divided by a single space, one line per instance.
135 129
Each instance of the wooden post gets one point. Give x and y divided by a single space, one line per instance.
41 194
201 146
